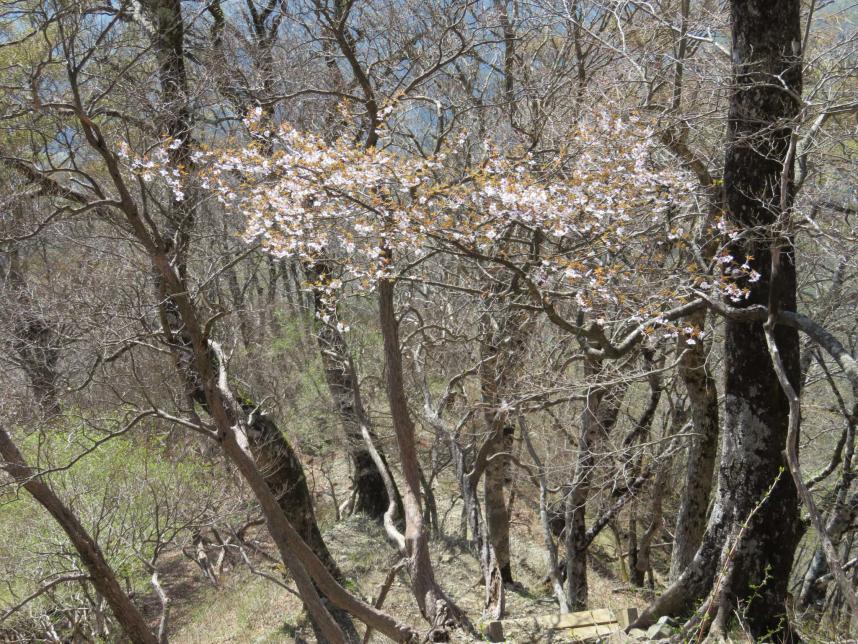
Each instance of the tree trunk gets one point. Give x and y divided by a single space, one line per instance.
433 603
754 527
497 513
766 54
642 566
601 410
284 474
274 456
502 340
101 574
639 552
700 464
340 375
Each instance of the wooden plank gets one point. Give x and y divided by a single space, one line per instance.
626 616
569 620
598 630
588 623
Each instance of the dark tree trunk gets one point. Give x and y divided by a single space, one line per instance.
767 74
598 418
497 510
282 470
754 527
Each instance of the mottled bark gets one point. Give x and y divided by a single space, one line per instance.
761 517
497 510
101 575
767 73
284 474
700 464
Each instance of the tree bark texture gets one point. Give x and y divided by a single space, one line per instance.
767 76
503 337
702 451
433 603
754 527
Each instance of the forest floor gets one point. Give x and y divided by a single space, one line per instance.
250 609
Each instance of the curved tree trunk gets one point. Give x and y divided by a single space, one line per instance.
101 574
284 474
434 605
274 456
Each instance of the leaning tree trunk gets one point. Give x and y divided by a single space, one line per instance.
274 456
101 575
754 527
370 491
